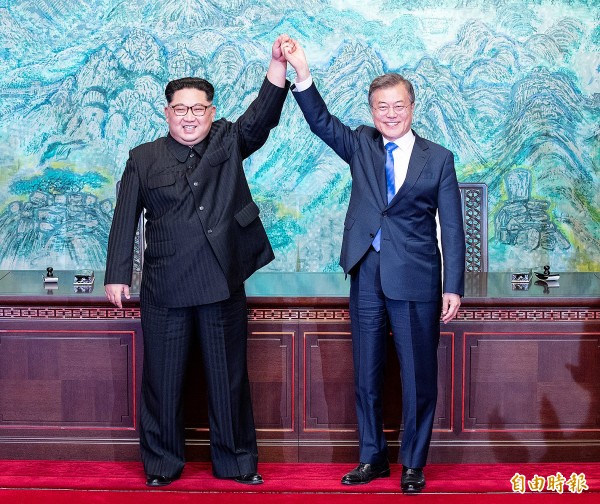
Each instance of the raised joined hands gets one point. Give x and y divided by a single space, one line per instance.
282 44
295 56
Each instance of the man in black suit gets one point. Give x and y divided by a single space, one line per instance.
204 238
400 181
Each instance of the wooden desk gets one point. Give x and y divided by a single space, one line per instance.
519 372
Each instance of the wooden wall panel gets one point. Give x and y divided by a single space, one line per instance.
443 420
519 381
195 398
392 394
532 381
67 378
272 364
271 369
329 384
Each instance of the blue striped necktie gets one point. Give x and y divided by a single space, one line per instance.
391 185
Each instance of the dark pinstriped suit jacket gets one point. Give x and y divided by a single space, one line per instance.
204 236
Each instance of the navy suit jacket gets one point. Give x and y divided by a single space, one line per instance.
204 236
410 259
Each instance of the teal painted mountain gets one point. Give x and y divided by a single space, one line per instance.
512 88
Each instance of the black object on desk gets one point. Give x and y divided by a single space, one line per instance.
50 278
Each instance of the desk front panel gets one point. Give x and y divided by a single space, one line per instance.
518 380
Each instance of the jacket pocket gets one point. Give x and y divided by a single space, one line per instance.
161 180
349 222
218 156
428 248
160 249
247 214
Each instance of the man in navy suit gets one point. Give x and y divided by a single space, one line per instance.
400 181
204 238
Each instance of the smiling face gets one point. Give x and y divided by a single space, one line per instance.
391 123
189 129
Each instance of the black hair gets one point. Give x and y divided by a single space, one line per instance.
189 82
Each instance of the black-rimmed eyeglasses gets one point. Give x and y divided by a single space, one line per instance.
197 110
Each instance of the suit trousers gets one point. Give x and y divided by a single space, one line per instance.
221 329
416 333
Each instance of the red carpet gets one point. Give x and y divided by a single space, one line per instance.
116 482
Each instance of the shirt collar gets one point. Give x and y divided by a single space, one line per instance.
182 152
405 142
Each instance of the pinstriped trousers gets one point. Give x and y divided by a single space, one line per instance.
221 329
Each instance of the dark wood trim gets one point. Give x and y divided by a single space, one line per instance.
519 378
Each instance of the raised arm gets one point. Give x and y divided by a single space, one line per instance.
330 129
264 112
278 65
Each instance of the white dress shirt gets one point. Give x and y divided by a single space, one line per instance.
401 156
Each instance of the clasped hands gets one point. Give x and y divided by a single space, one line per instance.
288 50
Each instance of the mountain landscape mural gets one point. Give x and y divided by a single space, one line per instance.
512 88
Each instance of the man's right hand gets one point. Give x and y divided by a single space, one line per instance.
296 57
115 291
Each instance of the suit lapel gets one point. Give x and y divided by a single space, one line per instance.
379 184
418 160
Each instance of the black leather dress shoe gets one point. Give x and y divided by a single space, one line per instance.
365 473
154 480
249 479
413 480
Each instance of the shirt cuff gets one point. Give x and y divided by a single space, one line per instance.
302 85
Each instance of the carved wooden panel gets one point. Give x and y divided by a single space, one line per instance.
67 378
328 382
329 401
443 420
271 369
518 380
474 209
532 381
392 392
195 404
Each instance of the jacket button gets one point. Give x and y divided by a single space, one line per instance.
209 231
371 235
195 184
200 208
